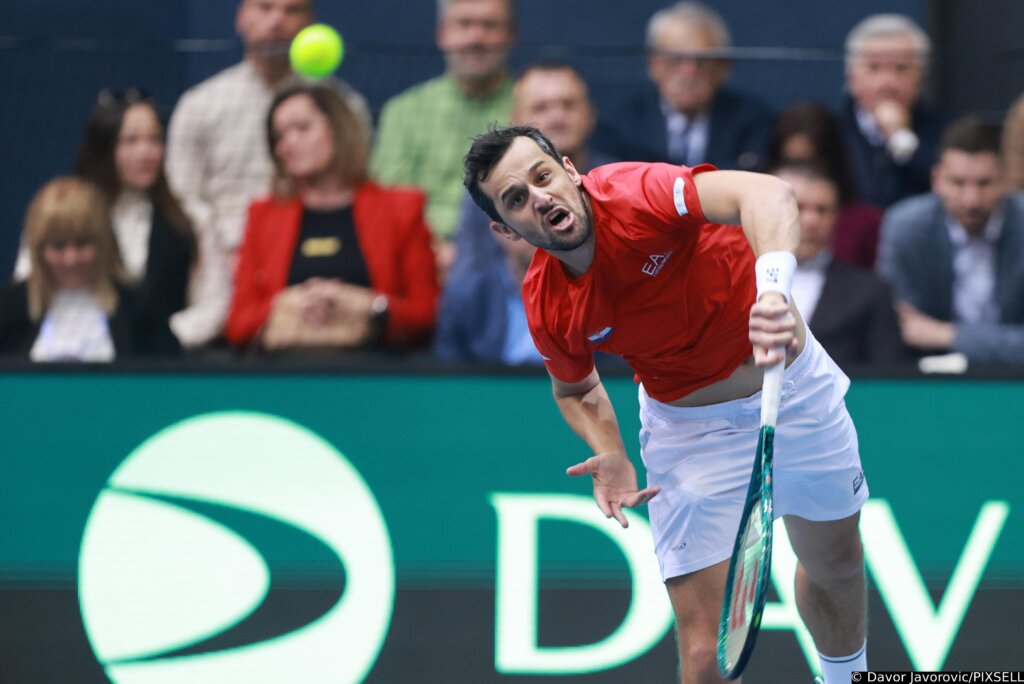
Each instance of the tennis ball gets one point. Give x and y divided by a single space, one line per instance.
316 51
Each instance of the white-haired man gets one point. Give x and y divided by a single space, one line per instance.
891 134
686 115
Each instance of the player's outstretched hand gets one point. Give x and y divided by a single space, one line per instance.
772 327
614 484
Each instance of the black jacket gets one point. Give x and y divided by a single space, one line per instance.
855 320
135 330
880 180
164 287
738 129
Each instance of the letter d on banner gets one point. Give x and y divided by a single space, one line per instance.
515 648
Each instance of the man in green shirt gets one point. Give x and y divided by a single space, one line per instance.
423 130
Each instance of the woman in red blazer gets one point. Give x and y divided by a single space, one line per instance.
330 259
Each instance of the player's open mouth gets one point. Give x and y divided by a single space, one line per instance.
559 218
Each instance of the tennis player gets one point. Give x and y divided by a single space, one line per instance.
644 261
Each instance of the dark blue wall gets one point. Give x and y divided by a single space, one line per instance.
55 55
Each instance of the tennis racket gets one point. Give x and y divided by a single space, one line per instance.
746 586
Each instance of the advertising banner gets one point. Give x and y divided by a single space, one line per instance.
420 528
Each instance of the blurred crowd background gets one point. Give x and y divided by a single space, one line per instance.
170 189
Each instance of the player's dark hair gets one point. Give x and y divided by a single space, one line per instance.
96 160
487 150
970 135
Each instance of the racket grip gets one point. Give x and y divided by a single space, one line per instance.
771 390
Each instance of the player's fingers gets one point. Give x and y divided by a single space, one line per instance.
603 504
760 355
774 309
587 467
771 343
641 497
619 515
766 357
763 326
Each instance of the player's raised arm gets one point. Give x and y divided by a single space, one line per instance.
766 208
763 205
588 410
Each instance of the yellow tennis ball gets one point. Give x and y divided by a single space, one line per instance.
316 51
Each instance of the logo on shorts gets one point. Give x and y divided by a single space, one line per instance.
858 482
655 263
679 547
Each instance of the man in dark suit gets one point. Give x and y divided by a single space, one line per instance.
955 256
847 308
686 116
890 133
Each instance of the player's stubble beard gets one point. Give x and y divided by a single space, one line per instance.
584 227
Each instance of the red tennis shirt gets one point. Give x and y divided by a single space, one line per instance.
667 291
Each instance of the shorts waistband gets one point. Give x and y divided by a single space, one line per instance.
801 366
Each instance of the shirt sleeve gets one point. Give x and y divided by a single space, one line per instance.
209 295
666 196
392 159
186 159
561 364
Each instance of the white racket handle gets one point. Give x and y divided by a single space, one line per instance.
771 390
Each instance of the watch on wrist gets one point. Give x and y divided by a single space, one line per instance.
379 308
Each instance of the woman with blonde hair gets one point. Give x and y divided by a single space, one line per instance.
74 305
330 259
176 270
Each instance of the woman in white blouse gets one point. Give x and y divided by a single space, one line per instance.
177 275
73 306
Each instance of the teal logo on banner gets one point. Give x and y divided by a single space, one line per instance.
191 544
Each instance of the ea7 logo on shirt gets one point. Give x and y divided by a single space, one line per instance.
655 263
600 336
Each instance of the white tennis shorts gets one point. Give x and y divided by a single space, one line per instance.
702 459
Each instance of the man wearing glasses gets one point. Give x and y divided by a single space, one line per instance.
688 117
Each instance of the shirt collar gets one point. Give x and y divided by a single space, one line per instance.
993 229
867 125
675 117
817 263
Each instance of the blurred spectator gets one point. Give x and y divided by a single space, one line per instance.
807 132
73 305
848 308
955 257
890 133
482 315
1013 143
553 97
424 131
330 260
687 116
217 160
122 153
